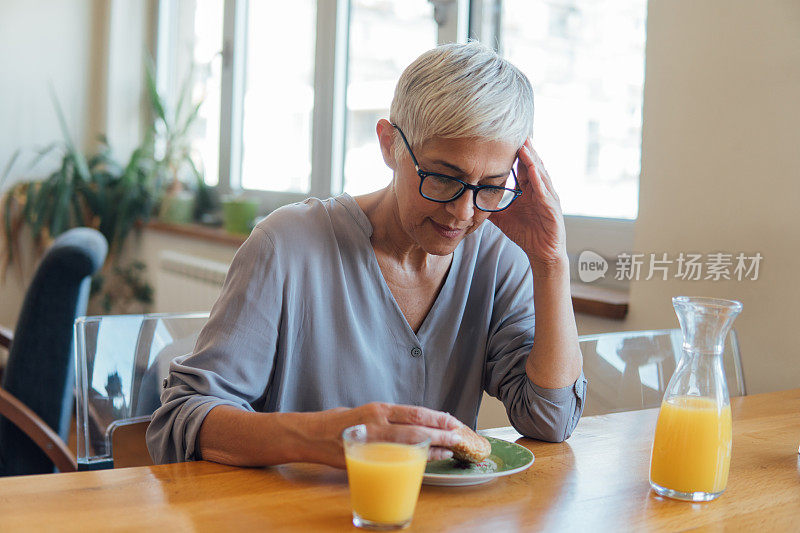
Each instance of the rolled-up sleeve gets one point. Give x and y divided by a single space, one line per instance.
234 355
544 414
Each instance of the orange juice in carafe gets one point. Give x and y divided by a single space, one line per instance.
692 445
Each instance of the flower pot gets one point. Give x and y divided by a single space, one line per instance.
177 208
238 215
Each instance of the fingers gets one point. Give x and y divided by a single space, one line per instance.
437 425
544 175
421 416
438 454
443 439
528 173
534 165
541 172
439 437
383 420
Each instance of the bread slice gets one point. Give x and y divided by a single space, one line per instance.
473 448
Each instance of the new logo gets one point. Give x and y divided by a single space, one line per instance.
591 266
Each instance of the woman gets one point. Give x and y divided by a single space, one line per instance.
394 307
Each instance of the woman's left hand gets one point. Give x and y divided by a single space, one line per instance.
534 221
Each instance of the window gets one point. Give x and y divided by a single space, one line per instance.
190 61
384 38
293 93
562 20
278 96
268 76
585 60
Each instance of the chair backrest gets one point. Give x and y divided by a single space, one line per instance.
630 370
39 372
121 362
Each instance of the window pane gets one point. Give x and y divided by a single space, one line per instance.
585 59
279 96
196 52
385 36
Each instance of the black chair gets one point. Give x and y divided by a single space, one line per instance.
37 390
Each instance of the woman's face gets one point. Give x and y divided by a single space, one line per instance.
435 227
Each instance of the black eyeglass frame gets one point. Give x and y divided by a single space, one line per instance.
464 185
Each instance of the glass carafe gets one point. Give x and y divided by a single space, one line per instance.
692 445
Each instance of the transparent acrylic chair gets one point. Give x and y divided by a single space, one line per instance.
630 370
121 362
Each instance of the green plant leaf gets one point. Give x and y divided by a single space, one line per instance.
76 156
37 208
77 210
182 98
9 166
196 173
156 101
60 221
41 154
8 226
190 119
30 197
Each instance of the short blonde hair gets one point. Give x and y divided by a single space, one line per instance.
462 91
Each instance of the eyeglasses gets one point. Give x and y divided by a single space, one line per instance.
443 189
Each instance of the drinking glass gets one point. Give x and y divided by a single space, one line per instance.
385 465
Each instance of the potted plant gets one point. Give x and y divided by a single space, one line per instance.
186 197
160 176
238 214
96 192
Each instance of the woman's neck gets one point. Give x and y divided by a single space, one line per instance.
389 238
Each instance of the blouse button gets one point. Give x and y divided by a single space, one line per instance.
415 352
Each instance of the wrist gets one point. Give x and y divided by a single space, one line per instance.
557 268
298 429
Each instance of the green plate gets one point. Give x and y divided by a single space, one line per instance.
507 458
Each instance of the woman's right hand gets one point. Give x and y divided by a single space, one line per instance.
325 435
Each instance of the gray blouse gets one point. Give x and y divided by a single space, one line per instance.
306 322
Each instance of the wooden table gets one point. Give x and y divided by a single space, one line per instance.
598 479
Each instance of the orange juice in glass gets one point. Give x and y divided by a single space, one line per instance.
384 470
692 446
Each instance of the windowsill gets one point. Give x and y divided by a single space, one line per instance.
586 299
599 301
197 231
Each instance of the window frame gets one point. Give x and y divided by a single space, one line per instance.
328 126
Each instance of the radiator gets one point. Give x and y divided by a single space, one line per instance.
186 283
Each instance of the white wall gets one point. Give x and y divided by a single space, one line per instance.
721 166
43 42
66 44
721 169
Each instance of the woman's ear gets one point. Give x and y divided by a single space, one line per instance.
385 132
